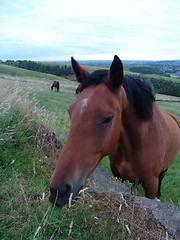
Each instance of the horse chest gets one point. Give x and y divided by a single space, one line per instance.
123 168
127 171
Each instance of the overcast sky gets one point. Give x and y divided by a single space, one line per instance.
90 29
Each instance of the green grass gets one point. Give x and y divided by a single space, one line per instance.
171 107
13 71
56 104
26 168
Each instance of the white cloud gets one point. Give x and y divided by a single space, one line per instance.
136 29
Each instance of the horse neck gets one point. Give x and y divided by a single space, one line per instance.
132 126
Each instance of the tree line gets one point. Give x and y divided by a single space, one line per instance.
161 85
57 70
166 87
148 70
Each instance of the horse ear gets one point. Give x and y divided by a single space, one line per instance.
78 70
116 73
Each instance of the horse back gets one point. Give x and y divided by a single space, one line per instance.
173 125
175 119
172 135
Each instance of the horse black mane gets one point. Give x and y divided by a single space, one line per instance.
95 78
139 91
140 96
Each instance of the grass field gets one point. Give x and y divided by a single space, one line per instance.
26 167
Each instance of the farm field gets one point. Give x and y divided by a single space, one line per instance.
25 170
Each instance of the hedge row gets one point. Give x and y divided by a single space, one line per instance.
39 67
166 87
148 70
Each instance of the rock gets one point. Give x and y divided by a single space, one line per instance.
166 214
102 181
155 214
47 140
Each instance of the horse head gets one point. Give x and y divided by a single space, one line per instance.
95 125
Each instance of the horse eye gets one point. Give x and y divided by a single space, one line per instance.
107 120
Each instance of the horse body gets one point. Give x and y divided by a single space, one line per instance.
145 150
110 118
55 85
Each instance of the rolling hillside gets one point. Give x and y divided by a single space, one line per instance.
26 102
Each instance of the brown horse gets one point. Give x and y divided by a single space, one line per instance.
116 116
56 85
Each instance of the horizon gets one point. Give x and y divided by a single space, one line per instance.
93 60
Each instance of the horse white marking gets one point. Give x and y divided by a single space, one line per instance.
84 105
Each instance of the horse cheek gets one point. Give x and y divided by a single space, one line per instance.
111 140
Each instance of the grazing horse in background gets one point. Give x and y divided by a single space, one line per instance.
56 85
116 116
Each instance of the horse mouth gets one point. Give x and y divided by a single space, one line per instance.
60 197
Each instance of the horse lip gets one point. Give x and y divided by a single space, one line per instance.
57 202
60 202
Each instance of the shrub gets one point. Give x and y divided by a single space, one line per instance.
166 87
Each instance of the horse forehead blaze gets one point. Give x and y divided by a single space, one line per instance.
84 104
95 100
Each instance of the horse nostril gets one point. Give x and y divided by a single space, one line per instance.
67 189
60 196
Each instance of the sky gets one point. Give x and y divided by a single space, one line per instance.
51 30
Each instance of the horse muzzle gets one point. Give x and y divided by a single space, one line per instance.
60 197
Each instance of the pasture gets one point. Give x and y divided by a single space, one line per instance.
26 168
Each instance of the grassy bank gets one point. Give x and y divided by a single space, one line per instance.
56 104
26 102
25 171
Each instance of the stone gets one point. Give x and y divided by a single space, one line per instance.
164 216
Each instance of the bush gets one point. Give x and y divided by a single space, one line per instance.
166 87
